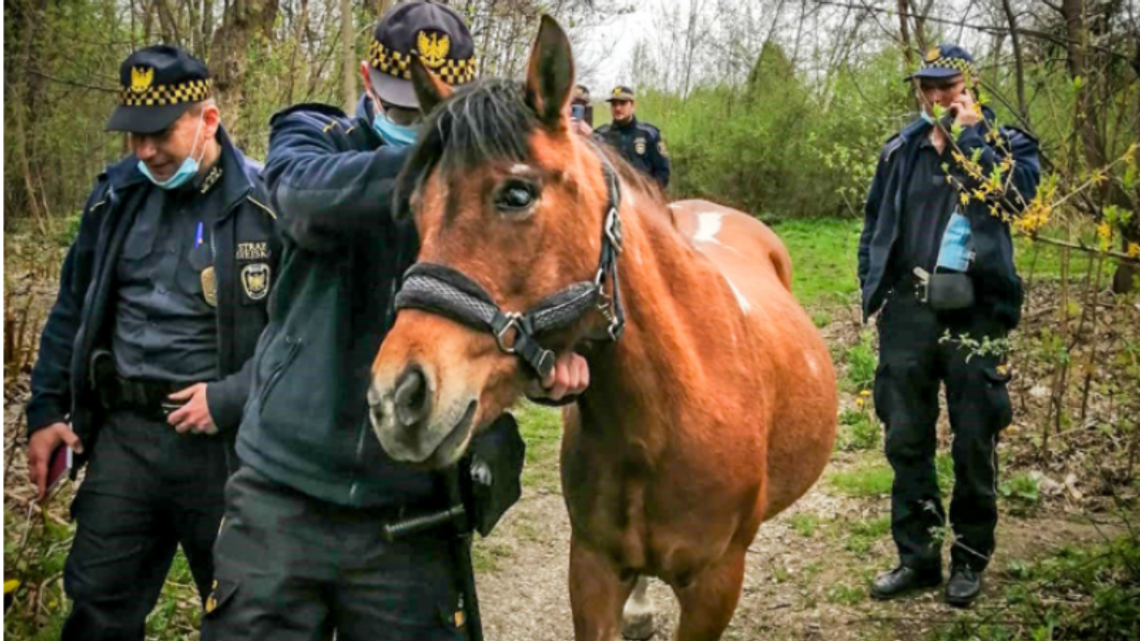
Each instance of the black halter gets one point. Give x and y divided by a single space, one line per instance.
445 291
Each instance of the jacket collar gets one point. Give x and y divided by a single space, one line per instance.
235 183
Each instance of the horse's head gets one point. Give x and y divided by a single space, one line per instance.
507 200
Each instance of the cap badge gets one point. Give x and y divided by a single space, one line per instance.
141 79
932 54
617 91
433 48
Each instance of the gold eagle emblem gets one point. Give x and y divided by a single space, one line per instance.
255 280
932 54
434 48
141 79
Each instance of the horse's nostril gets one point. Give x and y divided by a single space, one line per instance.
412 400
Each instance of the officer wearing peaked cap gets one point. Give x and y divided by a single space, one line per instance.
640 143
143 365
936 263
302 552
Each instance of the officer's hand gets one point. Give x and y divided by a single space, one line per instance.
40 448
194 416
968 113
581 127
570 376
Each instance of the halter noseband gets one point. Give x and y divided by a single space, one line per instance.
447 292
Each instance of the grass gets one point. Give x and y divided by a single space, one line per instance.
862 535
858 430
863 480
541 428
823 258
804 524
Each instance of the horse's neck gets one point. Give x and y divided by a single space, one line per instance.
657 361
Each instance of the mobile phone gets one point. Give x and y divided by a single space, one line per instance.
58 466
578 112
948 118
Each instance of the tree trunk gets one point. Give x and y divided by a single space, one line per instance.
348 52
904 34
229 54
1017 61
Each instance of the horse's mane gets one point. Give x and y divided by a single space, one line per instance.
488 119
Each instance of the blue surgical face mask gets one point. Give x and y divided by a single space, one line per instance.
186 171
926 117
393 134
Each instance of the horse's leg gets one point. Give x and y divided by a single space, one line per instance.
637 617
597 594
708 602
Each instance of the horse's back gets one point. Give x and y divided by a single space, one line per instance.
715 230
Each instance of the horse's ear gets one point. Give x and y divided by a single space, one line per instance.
550 74
430 90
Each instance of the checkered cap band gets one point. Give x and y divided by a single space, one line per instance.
957 64
396 64
163 95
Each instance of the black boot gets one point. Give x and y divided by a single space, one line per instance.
965 585
902 580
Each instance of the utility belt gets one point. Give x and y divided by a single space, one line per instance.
145 396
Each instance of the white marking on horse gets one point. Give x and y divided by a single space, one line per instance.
811 362
745 306
708 224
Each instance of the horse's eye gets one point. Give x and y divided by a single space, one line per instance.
515 196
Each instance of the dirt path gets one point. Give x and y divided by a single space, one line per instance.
796 587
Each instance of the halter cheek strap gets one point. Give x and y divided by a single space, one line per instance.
447 292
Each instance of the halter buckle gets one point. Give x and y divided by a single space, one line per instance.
501 336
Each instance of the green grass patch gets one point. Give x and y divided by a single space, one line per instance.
804 524
844 594
1021 493
858 430
824 258
541 428
861 360
867 480
861 536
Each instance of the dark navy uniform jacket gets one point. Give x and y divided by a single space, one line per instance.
996 283
83 317
639 143
331 178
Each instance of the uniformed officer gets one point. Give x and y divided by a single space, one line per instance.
302 553
143 366
640 143
938 261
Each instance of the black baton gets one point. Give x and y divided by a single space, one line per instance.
456 516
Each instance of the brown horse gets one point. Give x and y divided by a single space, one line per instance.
713 411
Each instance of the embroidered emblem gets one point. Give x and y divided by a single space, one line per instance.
252 251
932 54
141 79
639 146
661 149
434 48
211 178
255 280
210 286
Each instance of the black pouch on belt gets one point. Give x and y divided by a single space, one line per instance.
949 291
103 378
494 480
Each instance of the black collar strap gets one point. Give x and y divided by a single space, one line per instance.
442 290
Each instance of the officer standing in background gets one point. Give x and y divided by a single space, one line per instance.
302 552
939 263
143 365
640 143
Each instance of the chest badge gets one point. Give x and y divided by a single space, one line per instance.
210 286
639 146
255 280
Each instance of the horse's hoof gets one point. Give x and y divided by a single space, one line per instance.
638 626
